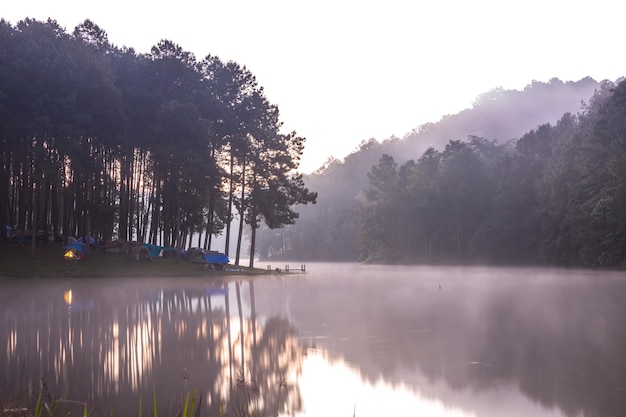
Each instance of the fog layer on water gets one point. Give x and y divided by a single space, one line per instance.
340 339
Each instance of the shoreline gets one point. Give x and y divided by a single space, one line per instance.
16 262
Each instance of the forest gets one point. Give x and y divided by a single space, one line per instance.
163 148
553 195
100 141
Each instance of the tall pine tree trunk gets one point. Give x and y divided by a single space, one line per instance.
229 213
242 212
252 244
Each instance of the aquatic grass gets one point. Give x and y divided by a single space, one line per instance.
187 409
38 407
45 406
190 409
244 402
186 406
191 406
248 406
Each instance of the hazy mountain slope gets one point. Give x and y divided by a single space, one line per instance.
499 114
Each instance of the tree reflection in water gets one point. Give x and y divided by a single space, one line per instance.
112 342
490 342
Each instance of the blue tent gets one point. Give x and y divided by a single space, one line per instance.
155 250
79 246
75 250
91 240
216 258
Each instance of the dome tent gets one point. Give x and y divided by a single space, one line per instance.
203 256
75 251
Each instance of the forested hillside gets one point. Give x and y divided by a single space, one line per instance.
467 189
100 141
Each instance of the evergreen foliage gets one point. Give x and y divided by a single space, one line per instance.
100 141
557 197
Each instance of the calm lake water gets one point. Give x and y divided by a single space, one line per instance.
339 340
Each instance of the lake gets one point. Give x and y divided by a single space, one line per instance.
338 340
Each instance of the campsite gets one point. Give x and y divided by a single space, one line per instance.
55 260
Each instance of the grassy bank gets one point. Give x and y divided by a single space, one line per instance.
16 261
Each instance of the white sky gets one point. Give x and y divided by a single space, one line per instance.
346 71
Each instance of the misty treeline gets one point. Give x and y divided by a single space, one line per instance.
101 141
555 196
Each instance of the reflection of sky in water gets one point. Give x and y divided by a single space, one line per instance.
378 340
334 388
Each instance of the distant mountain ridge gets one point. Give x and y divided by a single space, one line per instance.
499 115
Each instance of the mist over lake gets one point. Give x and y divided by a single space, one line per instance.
341 339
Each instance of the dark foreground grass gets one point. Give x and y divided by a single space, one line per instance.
16 261
244 404
45 406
